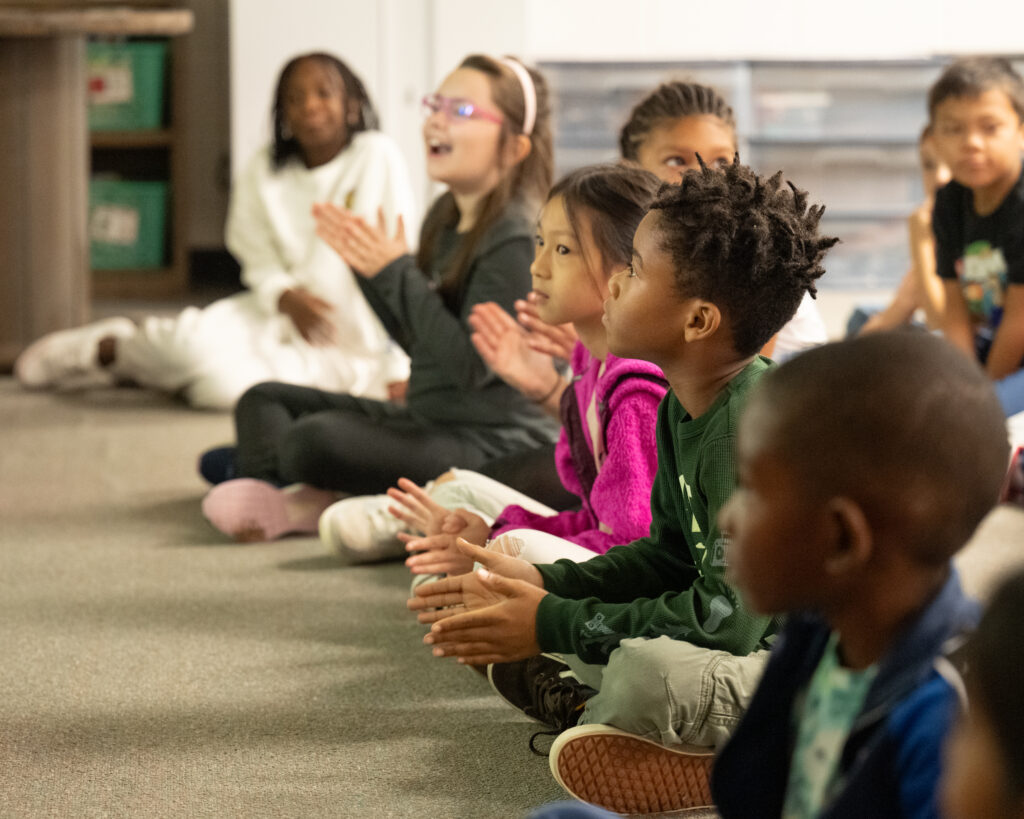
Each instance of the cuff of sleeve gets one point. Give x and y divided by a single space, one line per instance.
396 364
270 289
555 616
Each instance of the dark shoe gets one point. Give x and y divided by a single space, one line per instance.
218 465
628 774
543 689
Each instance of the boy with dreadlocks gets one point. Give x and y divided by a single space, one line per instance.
659 649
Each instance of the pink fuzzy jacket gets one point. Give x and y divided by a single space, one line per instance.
618 509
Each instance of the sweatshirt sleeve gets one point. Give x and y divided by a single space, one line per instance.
654 586
417 317
249 237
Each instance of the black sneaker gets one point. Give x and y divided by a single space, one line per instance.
542 688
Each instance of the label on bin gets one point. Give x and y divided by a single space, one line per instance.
114 224
111 83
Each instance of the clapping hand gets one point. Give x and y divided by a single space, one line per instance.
367 249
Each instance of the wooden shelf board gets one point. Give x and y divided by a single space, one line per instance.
149 138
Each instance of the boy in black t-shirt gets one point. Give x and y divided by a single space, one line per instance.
977 112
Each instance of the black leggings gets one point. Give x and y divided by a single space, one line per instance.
289 434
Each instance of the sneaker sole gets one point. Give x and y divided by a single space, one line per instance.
626 773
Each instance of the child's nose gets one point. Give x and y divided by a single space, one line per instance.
539 266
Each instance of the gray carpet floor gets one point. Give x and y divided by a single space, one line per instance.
149 668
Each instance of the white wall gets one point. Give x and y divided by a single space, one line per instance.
402 48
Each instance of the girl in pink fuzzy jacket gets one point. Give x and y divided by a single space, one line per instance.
606 454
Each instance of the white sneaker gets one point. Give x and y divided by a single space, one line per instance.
69 358
362 530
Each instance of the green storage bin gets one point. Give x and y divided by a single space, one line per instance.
126 85
126 224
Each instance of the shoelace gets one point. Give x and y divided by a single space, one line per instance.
559 702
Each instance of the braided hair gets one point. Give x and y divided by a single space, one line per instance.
669 101
746 243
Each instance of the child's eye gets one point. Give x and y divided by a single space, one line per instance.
562 250
630 271
538 240
464 109
676 162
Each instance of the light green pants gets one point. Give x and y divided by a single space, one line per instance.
670 691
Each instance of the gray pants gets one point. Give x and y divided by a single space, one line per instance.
670 691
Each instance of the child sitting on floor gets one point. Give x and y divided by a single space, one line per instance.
605 454
977 113
864 466
666 652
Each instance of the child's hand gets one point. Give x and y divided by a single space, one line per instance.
311 315
417 510
499 633
463 591
507 349
367 249
556 340
436 554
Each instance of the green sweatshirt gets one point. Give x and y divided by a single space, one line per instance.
672 581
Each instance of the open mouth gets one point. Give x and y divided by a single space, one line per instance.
437 148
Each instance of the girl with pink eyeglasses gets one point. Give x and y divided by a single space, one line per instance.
488 139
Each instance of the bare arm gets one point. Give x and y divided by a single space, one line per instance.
1008 344
956 322
931 295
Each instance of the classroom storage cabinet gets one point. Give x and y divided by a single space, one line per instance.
136 179
846 132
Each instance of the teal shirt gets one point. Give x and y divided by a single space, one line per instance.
672 581
824 715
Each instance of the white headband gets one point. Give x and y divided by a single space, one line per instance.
529 93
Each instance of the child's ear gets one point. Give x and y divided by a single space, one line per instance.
702 321
519 148
851 544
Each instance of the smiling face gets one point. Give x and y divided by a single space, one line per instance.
644 315
774 557
463 153
567 286
314 110
981 139
671 149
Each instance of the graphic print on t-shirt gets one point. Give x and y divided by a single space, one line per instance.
982 273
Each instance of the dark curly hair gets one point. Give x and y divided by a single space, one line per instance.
286 146
746 243
671 101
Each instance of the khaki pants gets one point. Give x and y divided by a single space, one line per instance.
670 691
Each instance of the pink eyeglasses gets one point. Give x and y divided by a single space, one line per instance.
454 108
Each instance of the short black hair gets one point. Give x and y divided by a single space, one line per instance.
901 422
994 656
973 76
746 243
286 146
671 101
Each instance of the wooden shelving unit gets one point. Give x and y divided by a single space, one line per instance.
152 154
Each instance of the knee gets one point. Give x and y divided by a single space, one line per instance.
254 397
303 456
